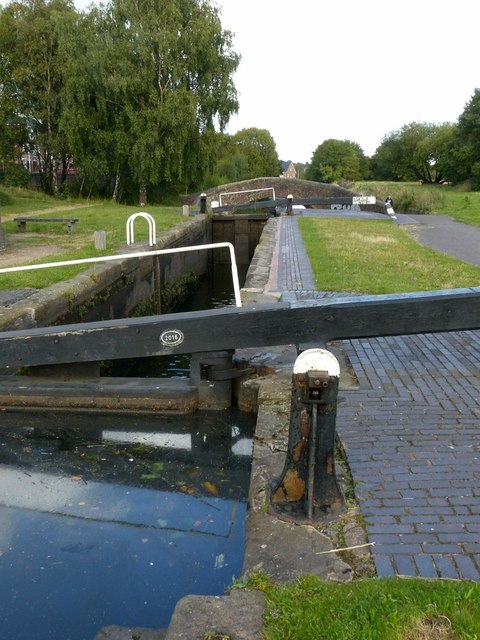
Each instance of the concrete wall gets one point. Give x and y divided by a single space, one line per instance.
114 289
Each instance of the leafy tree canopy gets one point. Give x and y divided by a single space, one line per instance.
259 149
249 153
336 160
32 81
418 151
464 155
133 90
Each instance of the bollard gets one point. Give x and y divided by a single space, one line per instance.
203 203
186 210
308 488
289 205
2 236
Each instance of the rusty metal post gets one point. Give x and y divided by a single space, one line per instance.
308 487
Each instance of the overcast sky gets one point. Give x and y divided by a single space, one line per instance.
349 69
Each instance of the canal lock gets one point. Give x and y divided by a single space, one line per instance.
110 517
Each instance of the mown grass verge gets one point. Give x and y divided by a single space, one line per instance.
371 609
377 257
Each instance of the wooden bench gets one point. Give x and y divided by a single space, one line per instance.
22 222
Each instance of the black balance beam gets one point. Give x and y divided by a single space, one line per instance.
237 328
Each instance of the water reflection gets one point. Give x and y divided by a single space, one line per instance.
110 520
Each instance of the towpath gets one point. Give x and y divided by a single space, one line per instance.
411 428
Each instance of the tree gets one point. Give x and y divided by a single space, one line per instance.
163 83
258 148
464 157
433 152
336 160
418 151
32 81
13 132
249 153
94 118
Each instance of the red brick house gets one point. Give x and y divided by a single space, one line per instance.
288 170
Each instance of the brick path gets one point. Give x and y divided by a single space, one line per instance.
412 437
294 270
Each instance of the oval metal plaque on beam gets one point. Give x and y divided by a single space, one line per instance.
172 338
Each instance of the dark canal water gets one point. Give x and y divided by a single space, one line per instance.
111 519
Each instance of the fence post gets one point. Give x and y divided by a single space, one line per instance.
2 235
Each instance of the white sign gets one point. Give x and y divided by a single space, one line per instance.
364 200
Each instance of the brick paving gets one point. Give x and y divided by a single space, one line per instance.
412 438
294 270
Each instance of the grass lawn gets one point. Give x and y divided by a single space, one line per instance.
17 201
69 246
372 609
377 257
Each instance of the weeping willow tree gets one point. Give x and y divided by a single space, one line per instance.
148 84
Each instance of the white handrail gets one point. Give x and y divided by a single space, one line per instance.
152 231
235 193
143 254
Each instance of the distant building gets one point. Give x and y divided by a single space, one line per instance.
30 162
288 170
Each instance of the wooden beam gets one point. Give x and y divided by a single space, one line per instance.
237 328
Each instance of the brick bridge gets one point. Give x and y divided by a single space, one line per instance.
283 187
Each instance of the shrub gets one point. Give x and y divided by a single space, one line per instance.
418 200
16 176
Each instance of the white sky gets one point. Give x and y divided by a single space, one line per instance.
349 69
